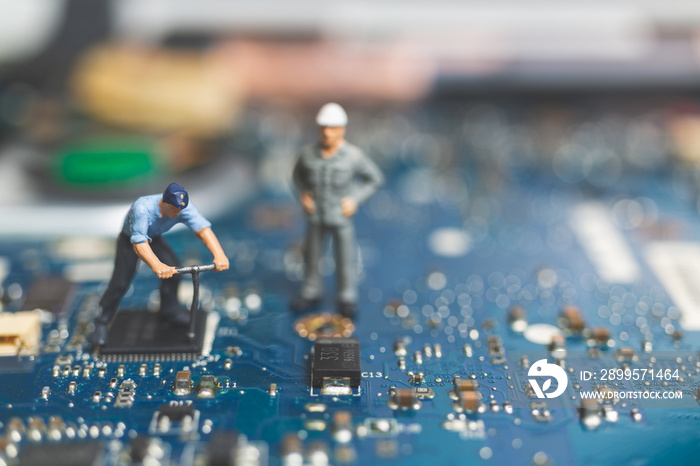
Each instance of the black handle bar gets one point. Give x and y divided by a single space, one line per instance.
195 268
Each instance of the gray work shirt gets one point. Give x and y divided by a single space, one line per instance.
347 173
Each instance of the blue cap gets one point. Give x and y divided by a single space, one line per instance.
176 195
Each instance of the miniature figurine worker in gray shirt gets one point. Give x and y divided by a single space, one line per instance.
333 178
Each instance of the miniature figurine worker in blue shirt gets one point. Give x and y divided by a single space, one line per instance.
333 178
140 238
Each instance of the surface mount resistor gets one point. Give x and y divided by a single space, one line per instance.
626 353
292 450
207 386
466 394
517 320
571 320
342 427
183 383
400 347
598 336
404 398
418 357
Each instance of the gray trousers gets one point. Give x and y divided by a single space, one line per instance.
346 276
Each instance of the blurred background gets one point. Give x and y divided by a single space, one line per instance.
102 101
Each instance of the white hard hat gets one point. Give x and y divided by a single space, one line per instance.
332 114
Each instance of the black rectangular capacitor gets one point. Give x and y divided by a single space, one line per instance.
336 358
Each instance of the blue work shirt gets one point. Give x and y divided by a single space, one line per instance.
144 221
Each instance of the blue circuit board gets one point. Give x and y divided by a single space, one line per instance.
490 247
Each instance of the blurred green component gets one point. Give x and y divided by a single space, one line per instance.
107 161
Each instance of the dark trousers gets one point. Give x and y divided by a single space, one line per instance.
125 263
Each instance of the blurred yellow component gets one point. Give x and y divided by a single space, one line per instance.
685 136
19 332
325 324
156 90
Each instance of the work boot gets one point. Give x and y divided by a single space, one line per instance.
300 304
99 336
346 309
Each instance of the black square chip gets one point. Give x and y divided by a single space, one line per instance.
142 332
336 359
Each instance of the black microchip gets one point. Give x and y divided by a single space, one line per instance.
142 332
49 294
61 454
139 448
221 449
175 413
336 358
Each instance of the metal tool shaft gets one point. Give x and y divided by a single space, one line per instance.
194 270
